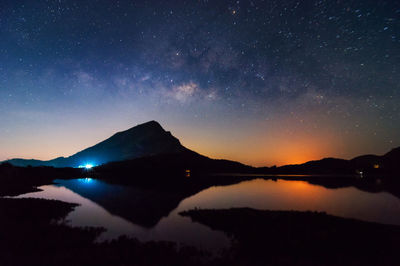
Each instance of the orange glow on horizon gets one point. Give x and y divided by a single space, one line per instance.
295 154
268 151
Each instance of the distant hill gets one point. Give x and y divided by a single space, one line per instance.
387 163
324 166
366 164
144 140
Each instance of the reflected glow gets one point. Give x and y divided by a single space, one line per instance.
380 207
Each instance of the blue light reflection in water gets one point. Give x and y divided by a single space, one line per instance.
90 193
86 180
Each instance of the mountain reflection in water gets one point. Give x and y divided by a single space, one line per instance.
151 215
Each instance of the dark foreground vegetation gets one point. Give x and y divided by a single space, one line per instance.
302 238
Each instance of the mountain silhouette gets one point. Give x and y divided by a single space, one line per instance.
370 164
148 148
143 140
388 162
323 166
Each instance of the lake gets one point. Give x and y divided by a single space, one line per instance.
92 194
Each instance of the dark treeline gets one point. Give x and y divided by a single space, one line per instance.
16 180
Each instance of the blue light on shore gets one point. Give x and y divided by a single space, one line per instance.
86 166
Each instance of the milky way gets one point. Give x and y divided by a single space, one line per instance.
263 82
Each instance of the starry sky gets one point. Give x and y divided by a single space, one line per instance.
261 82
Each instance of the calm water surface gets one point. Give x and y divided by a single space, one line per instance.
347 202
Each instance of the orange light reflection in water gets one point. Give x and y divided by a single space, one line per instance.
300 196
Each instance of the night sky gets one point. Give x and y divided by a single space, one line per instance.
261 82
